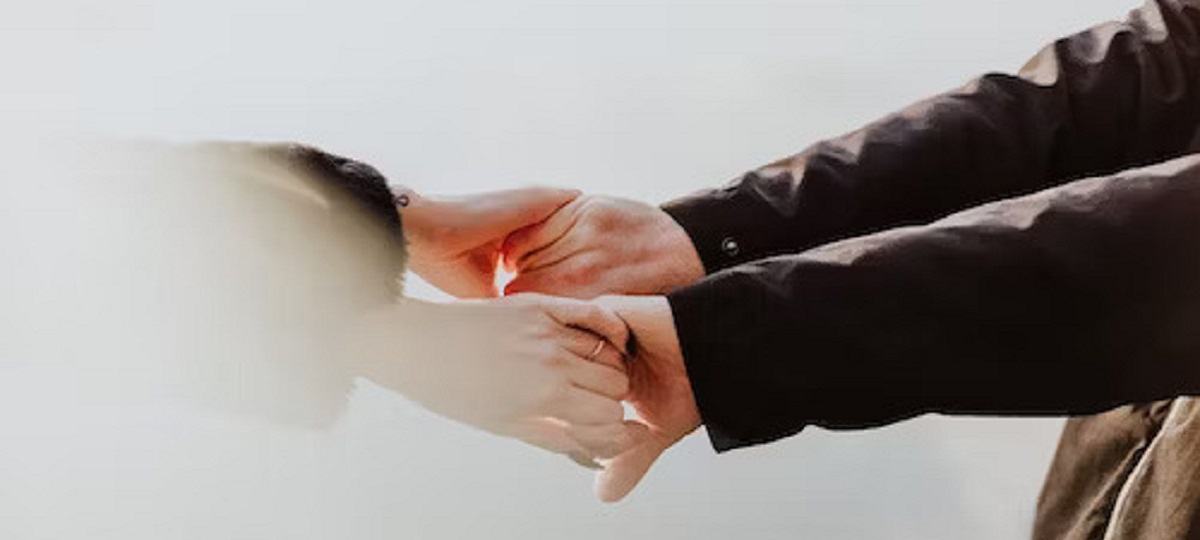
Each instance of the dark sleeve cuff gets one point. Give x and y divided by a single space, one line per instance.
711 330
729 225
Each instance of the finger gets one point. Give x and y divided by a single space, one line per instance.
547 434
509 210
578 406
589 316
585 345
540 234
609 440
623 473
569 245
594 377
585 461
582 276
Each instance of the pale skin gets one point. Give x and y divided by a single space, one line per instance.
541 369
455 243
582 247
598 245
527 370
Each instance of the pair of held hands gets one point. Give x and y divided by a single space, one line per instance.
587 269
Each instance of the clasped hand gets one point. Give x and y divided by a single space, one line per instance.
548 370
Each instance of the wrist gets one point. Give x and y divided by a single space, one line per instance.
683 263
727 226
383 344
649 319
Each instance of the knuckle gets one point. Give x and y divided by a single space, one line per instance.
612 215
613 326
608 317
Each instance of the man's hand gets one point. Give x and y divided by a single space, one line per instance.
454 243
602 245
658 389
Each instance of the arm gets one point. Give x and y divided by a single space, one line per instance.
1115 96
1067 301
328 247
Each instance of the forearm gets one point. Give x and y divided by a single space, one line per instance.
1115 96
1067 301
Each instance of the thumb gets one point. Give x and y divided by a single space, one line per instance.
512 209
623 472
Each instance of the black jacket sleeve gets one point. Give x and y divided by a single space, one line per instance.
1113 97
1067 301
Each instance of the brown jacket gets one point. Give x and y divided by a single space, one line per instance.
1129 474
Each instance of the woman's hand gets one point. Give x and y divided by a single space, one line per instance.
455 243
519 366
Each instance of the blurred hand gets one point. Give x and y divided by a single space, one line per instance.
659 391
454 243
520 367
602 245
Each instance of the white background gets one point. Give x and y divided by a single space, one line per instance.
644 99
